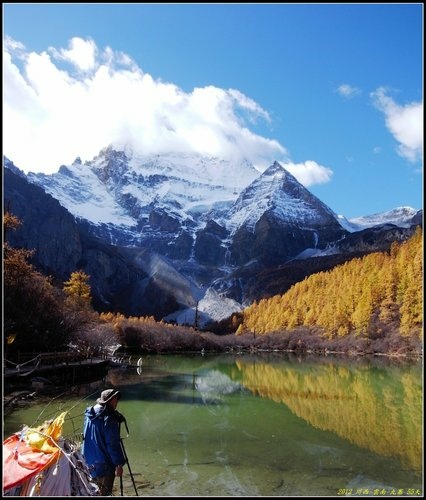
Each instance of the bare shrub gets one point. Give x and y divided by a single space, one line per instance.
150 336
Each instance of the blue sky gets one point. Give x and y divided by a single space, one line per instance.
332 91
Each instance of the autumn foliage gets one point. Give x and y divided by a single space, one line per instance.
367 297
38 315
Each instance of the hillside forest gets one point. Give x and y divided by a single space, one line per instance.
369 304
365 296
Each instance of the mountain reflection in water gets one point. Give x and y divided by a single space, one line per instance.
214 385
368 406
267 424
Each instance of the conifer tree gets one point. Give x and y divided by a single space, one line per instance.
78 289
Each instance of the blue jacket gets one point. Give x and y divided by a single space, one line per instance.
101 440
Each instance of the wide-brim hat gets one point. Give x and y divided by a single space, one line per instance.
107 395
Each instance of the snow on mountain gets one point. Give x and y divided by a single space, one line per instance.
344 222
10 165
211 307
278 191
120 189
198 169
80 191
308 253
216 306
400 216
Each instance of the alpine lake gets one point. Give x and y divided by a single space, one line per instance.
264 424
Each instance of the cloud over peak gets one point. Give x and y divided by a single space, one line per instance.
80 99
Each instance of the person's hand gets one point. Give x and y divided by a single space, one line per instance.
119 470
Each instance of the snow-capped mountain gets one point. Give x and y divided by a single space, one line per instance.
118 191
278 191
400 216
164 235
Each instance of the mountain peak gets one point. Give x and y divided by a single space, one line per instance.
274 168
278 172
110 153
400 216
11 166
279 193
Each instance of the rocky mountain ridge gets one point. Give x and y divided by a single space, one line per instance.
164 235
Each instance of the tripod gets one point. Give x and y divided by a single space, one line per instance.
130 470
121 418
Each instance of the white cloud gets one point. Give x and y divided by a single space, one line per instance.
64 103
348 91
12 44
405 123
309 172
82 53
247 103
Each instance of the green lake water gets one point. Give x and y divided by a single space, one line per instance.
259 425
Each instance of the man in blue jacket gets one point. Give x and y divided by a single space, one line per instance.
102 447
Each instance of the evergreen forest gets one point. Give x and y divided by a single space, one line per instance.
369 297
